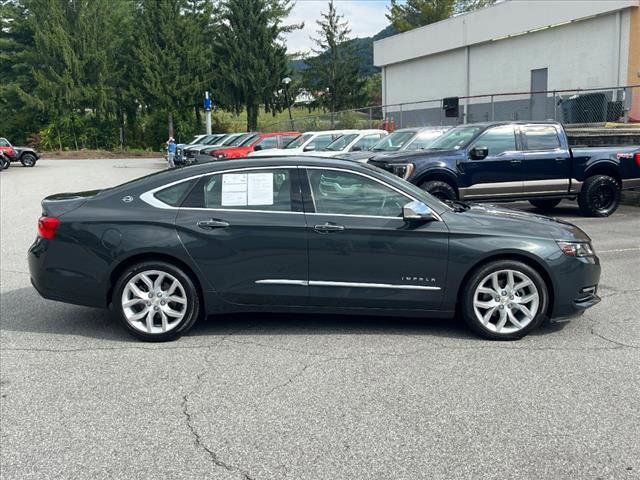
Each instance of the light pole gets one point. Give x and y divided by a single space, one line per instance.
286 81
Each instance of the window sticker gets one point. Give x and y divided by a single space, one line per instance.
234 190
260 189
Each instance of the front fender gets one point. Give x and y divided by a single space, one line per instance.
441 171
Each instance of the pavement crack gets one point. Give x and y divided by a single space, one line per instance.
198 440
189 420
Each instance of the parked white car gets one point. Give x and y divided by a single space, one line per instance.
307 142
359 141
409 139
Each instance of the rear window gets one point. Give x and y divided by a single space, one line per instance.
174 194
541 137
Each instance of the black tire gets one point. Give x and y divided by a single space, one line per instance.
191 310
600 196
469 289
545 204
4 164
28 160
439 189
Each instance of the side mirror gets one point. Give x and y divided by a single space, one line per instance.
257 148
479 153
309 148
356 148
417 212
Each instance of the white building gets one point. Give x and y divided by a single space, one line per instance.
515 46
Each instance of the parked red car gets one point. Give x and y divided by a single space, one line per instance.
259 141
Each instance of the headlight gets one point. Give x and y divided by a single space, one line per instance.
403 170
220 156
577 249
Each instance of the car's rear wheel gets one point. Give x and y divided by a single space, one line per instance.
504 300
156 301
28 160
600 196
439 189
545 204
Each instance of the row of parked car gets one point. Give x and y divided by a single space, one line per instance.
492 161
357 145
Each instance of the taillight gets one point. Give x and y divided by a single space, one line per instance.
637 155
47 227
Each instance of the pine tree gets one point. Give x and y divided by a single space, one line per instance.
335 70
410 14
251 58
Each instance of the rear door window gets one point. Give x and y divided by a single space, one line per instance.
262 189
541 137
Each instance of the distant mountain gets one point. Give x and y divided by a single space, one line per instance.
364 47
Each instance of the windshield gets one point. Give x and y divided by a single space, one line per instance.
393 142
195 140
248 140
209 139
299 141
341 143
456 138
424 140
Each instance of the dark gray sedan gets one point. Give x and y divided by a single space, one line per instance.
305 234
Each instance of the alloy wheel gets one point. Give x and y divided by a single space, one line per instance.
506 301
154 302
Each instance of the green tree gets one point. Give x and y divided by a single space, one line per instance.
251 58
410 14
335 70
165 62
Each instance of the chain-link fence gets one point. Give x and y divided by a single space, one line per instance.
571 107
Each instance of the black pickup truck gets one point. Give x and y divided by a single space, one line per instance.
507 161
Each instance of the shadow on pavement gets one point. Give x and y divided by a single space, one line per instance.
24 311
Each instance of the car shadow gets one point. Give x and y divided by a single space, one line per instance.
24 311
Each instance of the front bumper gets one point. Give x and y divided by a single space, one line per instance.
576 285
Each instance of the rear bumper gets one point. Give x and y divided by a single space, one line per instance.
54 281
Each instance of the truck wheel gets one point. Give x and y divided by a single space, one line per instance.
28 160
439 189
6 163
545 204
600 196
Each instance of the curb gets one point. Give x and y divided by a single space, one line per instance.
631 197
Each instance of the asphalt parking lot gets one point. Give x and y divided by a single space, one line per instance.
308 397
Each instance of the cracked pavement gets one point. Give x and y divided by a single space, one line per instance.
257 397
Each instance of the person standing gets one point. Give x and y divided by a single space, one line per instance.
171 152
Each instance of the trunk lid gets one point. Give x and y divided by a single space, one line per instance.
61 203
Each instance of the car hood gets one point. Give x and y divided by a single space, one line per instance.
404 156
505 221
361 155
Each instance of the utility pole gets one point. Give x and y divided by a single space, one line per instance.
207 111
286 81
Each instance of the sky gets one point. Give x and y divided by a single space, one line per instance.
365 17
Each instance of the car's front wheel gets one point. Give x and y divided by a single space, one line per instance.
28 160
156 301
504 300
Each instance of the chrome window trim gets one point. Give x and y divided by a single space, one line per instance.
149 198
323 283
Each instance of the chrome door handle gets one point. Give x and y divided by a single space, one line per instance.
515 162
211 224
328 228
